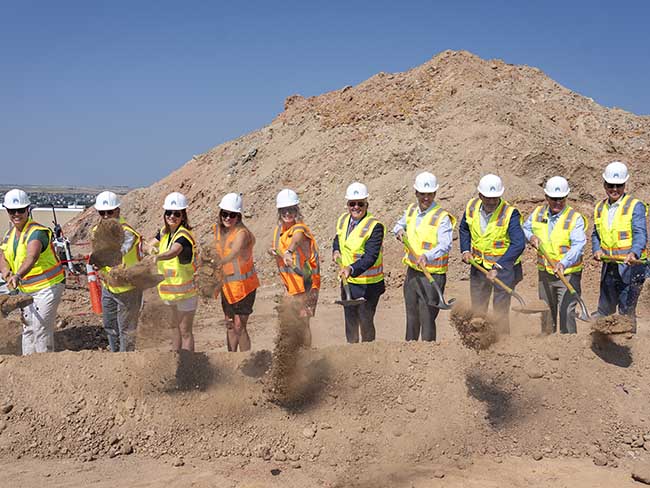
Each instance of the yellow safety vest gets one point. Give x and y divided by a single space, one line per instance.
425 237
488 247
129 259
179 278
559 242
353 246
46 272
617 240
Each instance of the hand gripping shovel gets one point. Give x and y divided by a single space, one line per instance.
522 308
349 301
305 273
442 304
584 313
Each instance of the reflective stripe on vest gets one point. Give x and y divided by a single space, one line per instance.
305 255
179 278
424 237
617 239
46 271
559 242
239 275
352 247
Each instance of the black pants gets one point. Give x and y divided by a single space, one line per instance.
481 288
360 319
418 297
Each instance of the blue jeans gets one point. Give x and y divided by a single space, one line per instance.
120 316
618 293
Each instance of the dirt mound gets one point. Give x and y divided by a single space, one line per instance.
106 242
475 331
612 324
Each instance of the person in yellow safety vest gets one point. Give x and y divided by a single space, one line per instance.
30 264
296 254
490 234
358 247
428 228
234 244
559 231
120 304
620 234
176 260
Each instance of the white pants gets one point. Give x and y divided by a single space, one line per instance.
39 319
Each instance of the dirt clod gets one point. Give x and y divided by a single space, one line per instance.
106 243
9 303
143 275
209 276
612 324
475 331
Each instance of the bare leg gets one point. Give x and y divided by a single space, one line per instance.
176 333
185 330
240 329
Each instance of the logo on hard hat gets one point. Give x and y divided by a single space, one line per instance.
356 192
105 202
173 202
492 188
557 189
427 184
616 175
16 200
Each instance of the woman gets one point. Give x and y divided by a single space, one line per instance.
294 248
176 260
234 244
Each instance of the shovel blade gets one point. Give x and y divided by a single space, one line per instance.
443 305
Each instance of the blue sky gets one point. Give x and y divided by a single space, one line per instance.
122 93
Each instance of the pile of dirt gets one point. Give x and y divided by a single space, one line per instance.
106 242
143 275
613 324
209 277
476 332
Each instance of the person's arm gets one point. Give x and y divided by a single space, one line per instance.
371 252
639 230
444 241
296 239
464 235
578 239
5 269
241 239
336 249
528 227
517 242
170 253
400 227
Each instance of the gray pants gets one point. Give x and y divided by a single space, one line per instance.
418 295
120 316
558 298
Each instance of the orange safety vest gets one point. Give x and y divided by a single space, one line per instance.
305 253
239 275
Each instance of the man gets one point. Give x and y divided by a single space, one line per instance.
490 234
428 229
559 231
30 265
620 234
357 246
120 304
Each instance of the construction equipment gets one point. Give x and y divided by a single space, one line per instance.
62 245
349 301
442 304
584 313
522 308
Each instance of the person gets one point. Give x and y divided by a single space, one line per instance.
296 255
618 240
30 264
234 244
120 304
559 231
491 235
357 247
428 228
176 261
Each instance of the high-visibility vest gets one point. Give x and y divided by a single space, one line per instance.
353 246
424 237
129 259
489 246
239 275
305 253
617 239
179 278
559 242
46 272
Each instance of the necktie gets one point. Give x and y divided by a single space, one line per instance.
352 225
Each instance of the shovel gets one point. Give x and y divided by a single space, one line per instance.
442 304
584 313
522 308
349 301
633 262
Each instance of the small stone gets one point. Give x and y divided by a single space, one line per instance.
410 408
309 432
641 473
127 449
3 426
637 443
325 426
279 456
438 474
114 439
294 457
399 400
538 456
534 371
553 356
178 462
8 407
295 464
627 440
599 459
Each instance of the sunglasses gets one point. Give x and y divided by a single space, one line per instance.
229 215
176 213
14 211
614 185
289 210
102 213
356 204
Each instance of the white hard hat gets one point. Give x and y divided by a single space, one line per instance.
232 202
491 186
557 187
426 183
175 201
16 199
616 173
286 198
356 191
107 200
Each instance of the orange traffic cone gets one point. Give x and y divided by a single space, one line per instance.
95 289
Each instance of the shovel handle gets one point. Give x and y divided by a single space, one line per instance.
344 281
614 259
409 249
560 274
505 287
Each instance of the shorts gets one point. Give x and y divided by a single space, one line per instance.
242 307
186 305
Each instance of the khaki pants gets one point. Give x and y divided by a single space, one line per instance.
39 319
